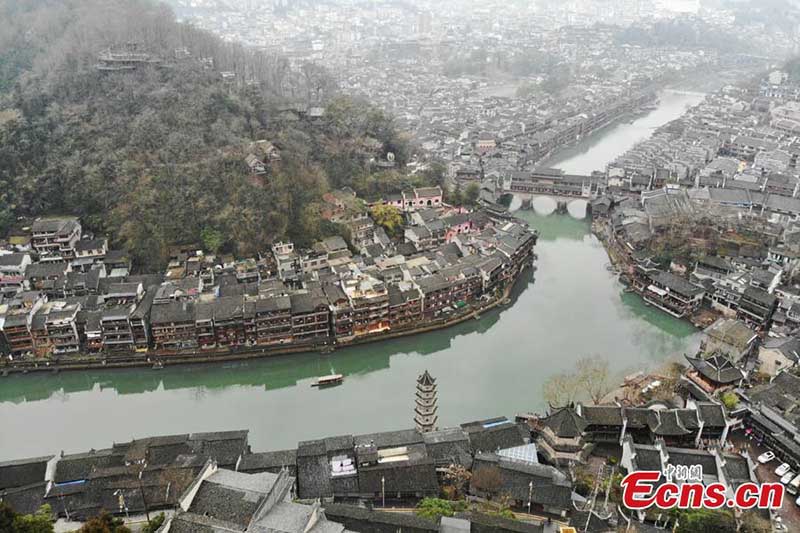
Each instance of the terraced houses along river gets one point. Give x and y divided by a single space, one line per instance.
571 307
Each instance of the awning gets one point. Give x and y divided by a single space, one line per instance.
657 290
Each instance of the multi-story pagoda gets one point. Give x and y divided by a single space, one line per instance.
425 411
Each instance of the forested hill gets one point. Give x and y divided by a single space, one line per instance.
155 155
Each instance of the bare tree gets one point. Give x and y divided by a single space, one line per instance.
457 477
591 377
560 389
487 479
594 377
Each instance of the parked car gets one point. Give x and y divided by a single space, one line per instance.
781 470
794 485
797 501
766 457
787 477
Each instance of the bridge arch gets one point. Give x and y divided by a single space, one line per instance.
578 208
542 204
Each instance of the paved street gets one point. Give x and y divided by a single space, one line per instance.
789 511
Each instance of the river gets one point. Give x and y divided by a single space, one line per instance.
615 139
572 307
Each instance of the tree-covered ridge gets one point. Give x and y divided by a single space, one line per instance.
156 155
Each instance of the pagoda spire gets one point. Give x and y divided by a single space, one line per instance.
425 411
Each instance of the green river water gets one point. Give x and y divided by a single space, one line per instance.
571 307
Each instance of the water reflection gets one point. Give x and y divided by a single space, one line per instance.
496 365
577 208
544 205
595 152
271 373
486 367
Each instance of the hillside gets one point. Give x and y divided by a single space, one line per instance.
154 154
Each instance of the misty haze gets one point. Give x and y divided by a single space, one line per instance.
398 265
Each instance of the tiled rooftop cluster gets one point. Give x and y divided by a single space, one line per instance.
63 294
215 481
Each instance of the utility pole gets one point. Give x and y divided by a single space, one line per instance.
383 492
530 496
64 503
141 490
594 496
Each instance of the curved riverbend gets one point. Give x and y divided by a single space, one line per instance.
495 365
595 152
492 366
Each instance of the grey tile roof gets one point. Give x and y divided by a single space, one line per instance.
550 486
565 423
78 466
172 312
313 470
362 519
228 498
602 415
716 368
484 523
45 270
647 458
269 461
676 283
306 303
11 260
391 439
273 304
413 476
667 422
23 472
225 447
736 469
448 446
759 296
25 499
495 434
197 523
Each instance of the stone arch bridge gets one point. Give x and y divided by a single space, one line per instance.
565 189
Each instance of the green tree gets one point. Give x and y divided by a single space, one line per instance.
557 79
435 174
6 213
213 240
454 196
705 521
7 515
730 400
134 167
435 508
39 522
472 193
753 521
388 217
155 523
104 523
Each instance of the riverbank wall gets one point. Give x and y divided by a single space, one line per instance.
583 126
159 360
620 264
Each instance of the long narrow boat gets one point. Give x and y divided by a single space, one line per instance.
327 381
